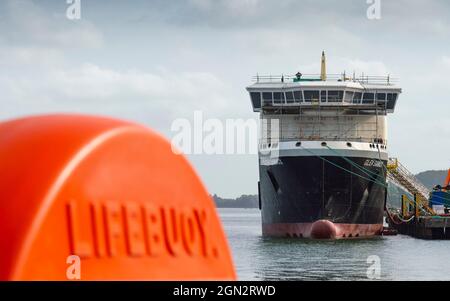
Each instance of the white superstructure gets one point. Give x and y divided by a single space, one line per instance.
339 108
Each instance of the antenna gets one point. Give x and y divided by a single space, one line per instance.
323 68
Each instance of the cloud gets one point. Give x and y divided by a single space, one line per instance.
92 88
367 67
435 75
232 14
36 74
228 7
446 60
417 16
30 23
169 89
18 57
39 74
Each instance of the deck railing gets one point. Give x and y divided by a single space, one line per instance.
363 79
324 138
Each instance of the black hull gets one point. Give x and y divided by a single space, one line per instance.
305 189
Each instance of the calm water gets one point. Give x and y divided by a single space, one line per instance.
258 258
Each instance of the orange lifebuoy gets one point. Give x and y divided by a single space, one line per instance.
99 199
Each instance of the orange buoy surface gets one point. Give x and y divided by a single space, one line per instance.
94 198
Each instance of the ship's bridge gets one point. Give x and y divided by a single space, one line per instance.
367 94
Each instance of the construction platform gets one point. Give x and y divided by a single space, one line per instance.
427 214
425 227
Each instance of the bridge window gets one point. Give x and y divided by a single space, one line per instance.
381 97
392 96
311 96
368 98
256 99
348 96
289 97
323 96
391 99
267 98
298 96
335 96
357 97
278 97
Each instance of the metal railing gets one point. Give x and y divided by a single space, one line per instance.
402 176
363 79
322 138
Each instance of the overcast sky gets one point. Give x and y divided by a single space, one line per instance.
154 61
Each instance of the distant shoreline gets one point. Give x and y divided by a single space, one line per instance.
244 201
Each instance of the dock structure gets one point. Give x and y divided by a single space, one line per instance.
425 227
417 217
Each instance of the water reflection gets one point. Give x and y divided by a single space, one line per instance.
294 259
259 258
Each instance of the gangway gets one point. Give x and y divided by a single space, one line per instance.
398 174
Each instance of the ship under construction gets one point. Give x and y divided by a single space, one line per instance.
322 173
